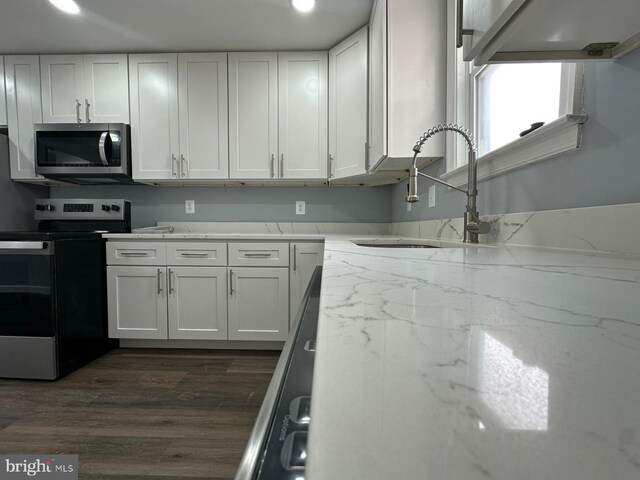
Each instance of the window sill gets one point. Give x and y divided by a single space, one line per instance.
560 136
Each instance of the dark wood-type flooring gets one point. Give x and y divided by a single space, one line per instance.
142 414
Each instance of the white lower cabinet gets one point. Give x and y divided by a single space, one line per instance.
203 298
137 302
305 257
197 303
258 303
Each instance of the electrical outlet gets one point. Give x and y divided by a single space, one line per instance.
432 196
189 206
300 207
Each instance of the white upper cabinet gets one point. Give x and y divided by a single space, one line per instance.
407 52
302 107
154 116
253 115
202 94
24 108
106 87
179 116
348 106
536 30
3 98
62 88
378 82
84 89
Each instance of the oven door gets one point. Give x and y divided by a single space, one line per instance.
27 289
81 150
28 347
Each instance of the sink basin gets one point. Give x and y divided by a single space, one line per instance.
395 245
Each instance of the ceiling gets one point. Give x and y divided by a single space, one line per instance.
103 26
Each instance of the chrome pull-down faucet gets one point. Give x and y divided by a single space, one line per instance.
472 224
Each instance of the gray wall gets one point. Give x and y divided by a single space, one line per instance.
604 171
16 199
244 204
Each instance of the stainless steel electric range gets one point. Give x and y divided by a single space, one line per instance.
53 314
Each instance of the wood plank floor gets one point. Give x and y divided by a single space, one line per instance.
142 414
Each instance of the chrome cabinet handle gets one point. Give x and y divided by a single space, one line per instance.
230 282
273 165
257 255
78 105
86 102
194 254
331 166
170 282
134 254
159 281
295 257
459 30
182 169
173 166
282 165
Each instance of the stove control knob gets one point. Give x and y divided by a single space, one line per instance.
49 208
106 208
115 208
39 207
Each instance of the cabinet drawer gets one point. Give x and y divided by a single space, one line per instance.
197 253
136 253
259 254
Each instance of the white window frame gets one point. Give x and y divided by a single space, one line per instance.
553 139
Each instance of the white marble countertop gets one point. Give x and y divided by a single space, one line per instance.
213 236
473 363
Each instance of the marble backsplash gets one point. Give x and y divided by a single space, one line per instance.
611 228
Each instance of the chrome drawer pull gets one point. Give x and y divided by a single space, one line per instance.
257 255
134 254
187 254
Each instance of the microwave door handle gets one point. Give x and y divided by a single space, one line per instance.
102 148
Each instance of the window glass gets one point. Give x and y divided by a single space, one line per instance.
509 98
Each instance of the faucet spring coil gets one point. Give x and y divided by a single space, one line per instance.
468 136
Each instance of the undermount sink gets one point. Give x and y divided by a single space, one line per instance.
395 245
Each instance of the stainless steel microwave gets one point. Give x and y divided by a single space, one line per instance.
86 153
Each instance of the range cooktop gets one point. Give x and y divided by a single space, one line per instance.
46 236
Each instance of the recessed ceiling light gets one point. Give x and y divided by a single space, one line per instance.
303 5
67 6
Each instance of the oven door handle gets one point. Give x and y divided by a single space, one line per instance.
24 248
102 148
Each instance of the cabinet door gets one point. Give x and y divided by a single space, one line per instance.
154 116
486 18
302 107
106 80
348 106
305 257
258 303
137 302
253 115
202 92
378 82
62 88
24 108
3 98
197 303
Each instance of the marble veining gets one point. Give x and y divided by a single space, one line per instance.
476 363
611 228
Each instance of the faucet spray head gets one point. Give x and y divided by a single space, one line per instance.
412 194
